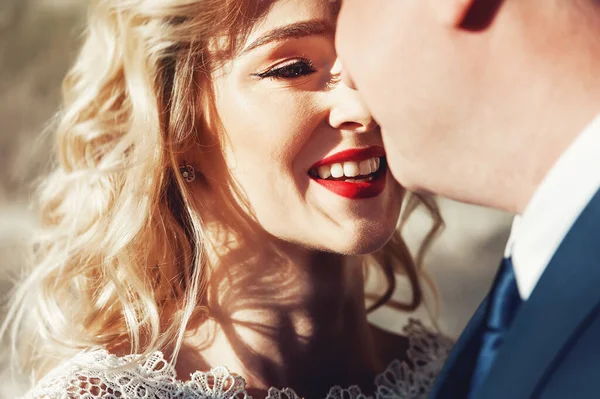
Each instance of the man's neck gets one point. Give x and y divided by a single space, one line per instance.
561 96
545 146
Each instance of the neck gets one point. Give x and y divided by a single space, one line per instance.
539 150
277 311
557 93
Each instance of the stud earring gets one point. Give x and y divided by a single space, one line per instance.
187 172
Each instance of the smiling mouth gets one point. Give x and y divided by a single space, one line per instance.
349 171
353 174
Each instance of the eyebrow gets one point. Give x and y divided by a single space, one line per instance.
295 31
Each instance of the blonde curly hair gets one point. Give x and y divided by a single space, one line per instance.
118 258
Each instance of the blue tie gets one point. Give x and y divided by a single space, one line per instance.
504 303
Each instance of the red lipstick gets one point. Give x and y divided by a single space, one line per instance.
355 190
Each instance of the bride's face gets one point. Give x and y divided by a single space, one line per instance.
291 125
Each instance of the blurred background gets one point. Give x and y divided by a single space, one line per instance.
39 39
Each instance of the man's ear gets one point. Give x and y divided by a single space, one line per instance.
451 13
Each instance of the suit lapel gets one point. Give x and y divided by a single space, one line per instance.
558 307
454 379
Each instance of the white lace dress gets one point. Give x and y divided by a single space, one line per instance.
96 374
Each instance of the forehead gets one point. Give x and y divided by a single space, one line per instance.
286 12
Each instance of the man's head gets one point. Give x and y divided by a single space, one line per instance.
464 88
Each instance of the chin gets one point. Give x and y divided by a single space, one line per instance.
365 241
367 233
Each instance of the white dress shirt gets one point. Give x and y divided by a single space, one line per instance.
557 202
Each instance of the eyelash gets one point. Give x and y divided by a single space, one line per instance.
291 70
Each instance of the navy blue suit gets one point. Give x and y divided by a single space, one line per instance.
552 350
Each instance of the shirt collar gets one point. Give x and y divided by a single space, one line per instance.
554 207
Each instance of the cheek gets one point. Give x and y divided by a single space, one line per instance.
265 135
354 47
368 54
268 129
395 160
346 42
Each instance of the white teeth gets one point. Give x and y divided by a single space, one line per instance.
324 171
373 165
337 170
364 167
351 169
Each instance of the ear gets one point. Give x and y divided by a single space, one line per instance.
451 12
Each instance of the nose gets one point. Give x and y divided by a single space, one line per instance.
348 111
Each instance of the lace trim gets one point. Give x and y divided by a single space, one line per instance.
99 374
